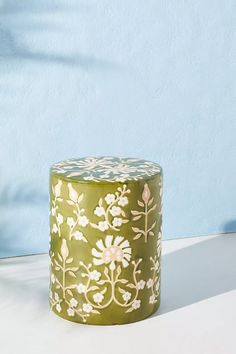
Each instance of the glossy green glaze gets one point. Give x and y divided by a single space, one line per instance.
105 239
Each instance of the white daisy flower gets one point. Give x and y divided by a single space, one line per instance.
141 284
149 283
73 302
83 221
123 201
103 225
126 296
87 308
110 198
115 249
81 288
136 304
115 210
98 297
99 211
94 275
117 222
70 312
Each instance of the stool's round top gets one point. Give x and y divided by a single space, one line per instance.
106 169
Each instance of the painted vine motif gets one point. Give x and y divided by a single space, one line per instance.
101 282
109 209
147 204
115 254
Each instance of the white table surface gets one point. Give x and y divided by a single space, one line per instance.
197 314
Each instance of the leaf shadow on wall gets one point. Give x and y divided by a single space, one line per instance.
31 18
198 272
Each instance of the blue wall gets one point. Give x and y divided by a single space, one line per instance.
151 79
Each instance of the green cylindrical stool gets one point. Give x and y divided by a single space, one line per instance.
105 239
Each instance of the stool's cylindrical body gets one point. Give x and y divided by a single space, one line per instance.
105 235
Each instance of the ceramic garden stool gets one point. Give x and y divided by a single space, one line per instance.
105 239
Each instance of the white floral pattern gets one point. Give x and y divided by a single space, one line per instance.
79 288
109 209
108 169
148 205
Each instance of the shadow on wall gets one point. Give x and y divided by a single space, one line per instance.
198 272
13 48
230 226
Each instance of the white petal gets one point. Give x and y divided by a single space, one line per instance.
118 239
124 244
125 263
100 245
97 261
95 253
108 240
127 256
127 250
112 266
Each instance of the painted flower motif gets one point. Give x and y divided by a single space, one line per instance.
146 193
83 220
115 249
59 219
123 201
152 299
94 275
54 228
141 284
72 193
53 211
70 222
57 189
78 235
70 311
56 296
58 307
99 211
126 296
117 222
87 308
53 279
81 288
98 297
64 249
136 304
73 302
149 283
122 178
103 225
115 210
110 198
